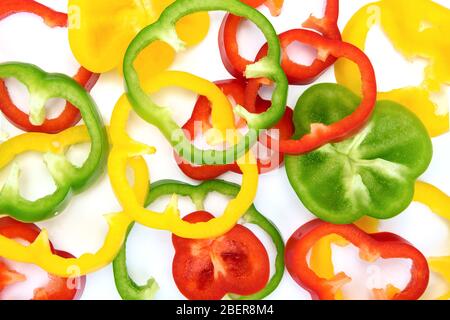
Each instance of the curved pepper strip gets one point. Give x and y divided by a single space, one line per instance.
200 123
321 134
439 203
418 36
68 178
70 115
371 246
269 67
100 32
297 74
40 251
124 147
198 195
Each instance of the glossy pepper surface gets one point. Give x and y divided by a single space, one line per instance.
100 32
371 247
70 115
372 173
217 286
269 67
419 35
68 178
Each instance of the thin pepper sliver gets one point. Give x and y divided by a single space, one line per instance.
70 115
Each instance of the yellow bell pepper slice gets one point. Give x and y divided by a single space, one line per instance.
124 147
420 33
101 30
39 252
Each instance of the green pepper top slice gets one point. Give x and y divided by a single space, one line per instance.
269 67
372 173
68 178
129 290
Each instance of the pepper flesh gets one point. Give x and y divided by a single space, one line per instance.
198 195
70 115
372 247
101 31
322 134
124 147
418 36
200 123
296 73
268 67
68 178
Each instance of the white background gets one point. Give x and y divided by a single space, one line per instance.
81 227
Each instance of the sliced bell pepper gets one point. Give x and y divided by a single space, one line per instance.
269 67
70 115
371 248
198 195
100 32
439 203
419 35
200 122
297 74
57 288
124 148
320 133
68 178
372 173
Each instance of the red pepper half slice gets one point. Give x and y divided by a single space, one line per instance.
57 288
371 246
70 115
236 262
322 134
200 122
297 74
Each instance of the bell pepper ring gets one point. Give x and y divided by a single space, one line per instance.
70 116
371 248
40 253
56 288
100 32
418 36
321 134
124 147
198 195
268 67
200 122
297 74
68 178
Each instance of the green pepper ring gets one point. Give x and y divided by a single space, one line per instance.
129 290
268 67
68 178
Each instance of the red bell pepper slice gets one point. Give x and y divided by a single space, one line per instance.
201 114
297 74
372 246
70 115
322 134
57 288
236 262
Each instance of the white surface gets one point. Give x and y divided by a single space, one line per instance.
81 227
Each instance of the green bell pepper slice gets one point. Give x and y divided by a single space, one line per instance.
68 178
372 173
268 67
129 290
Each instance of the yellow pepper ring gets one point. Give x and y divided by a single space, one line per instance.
124 147
419 35
39 252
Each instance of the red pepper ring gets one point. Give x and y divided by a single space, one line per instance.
372 246
322 134
70 115
200 122
57 288
297 74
